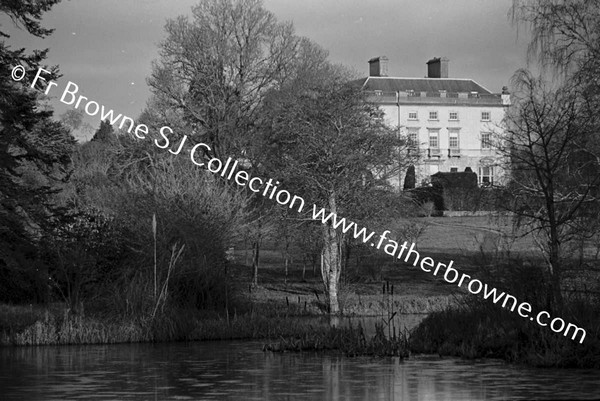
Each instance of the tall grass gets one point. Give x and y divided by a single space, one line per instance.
351 341
171 325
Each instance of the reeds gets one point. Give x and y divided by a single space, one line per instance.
350 341
168 325
76 330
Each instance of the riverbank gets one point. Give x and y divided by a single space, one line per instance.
281 308
36 326
477 328
492 332
282 333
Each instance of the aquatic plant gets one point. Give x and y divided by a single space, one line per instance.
351 341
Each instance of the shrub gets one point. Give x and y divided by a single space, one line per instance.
479 328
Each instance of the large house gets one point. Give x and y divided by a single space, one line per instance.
450 122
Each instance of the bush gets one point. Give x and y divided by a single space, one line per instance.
432 194
145 203
410 180
478 328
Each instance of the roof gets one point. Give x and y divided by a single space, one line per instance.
396 84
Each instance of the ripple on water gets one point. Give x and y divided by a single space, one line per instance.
240 370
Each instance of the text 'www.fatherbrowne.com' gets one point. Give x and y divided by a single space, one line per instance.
450 274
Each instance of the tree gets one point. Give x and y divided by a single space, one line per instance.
28 14
73 119
215 69
214 72
324 141
259 228
555 179
564 33
105 132
34 157
410 180
565 40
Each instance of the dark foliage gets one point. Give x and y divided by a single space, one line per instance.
410 180
34 161
104 133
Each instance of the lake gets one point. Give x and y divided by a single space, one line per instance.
240 370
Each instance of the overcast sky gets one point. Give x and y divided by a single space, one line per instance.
106 47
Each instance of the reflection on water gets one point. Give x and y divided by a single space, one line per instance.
241 371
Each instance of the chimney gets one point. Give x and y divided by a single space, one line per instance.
505 96
437 67
378 67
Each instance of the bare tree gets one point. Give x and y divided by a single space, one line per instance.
553 170
324 140
215 68
565 34
565 40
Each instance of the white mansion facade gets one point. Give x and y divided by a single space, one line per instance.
451 122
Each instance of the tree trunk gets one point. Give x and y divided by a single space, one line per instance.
555 272
348 248
555 267
256 254
304 267
287 257
332 261
255 260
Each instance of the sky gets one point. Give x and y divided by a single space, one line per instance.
107 47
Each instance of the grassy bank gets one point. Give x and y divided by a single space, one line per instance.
49 328
372 285
481 329
479 334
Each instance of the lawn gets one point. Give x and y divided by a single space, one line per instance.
470 241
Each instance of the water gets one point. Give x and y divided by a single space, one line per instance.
241 371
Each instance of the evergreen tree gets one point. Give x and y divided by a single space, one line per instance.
105 132
410 179
34 158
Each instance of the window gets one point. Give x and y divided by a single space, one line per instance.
433 115
434 143
453 143
434 139
412 115
486 140
486 116
486 175
453 139
413 138
453 116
